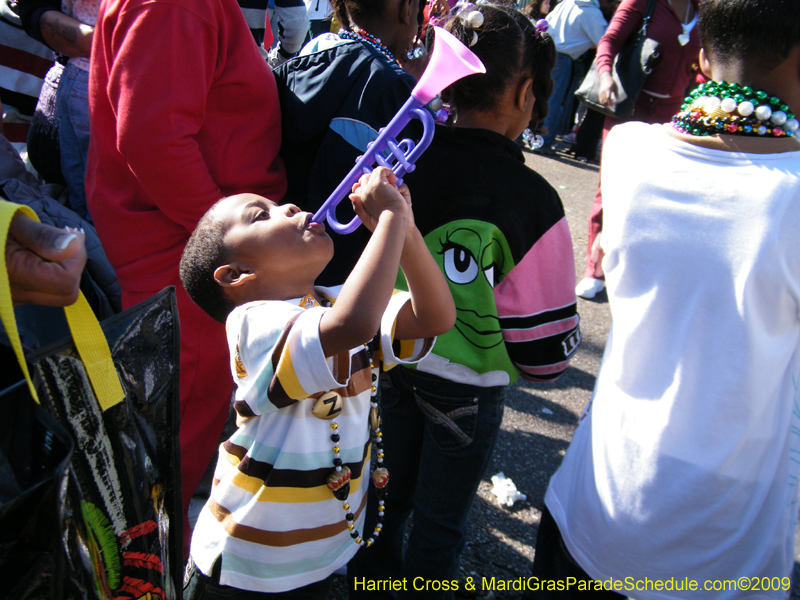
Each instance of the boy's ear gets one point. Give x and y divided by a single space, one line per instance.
231 276
705 65
524 96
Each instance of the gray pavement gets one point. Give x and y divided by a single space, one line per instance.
539 420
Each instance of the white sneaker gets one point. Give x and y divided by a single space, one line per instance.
589 287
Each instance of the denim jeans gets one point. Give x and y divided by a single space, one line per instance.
438 439
197 586
561 100
73 133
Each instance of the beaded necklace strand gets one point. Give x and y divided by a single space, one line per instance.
730 108
339 479
360 35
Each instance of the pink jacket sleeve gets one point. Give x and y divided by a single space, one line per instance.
537 307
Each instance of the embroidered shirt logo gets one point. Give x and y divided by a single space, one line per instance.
571 344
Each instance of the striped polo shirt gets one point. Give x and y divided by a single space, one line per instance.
271 516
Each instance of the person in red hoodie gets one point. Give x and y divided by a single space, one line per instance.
184 111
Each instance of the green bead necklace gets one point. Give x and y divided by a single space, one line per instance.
720 107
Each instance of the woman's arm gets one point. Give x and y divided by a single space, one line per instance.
160 103
66 35
43 21
626 22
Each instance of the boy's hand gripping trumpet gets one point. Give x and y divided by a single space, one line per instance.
450 61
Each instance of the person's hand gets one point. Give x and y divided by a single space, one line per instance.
44 263
607 92
406 193
377 192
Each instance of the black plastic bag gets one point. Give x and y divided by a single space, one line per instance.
34 460
124 487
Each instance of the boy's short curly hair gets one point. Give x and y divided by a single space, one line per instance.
761 33
204 252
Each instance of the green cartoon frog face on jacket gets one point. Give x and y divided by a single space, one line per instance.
474 257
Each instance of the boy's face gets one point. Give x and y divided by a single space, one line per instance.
271 240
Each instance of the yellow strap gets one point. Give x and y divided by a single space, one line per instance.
7 211
86 332
94 352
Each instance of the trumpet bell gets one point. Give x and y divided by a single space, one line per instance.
450 61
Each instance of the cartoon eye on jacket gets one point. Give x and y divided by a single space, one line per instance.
473 261
509 322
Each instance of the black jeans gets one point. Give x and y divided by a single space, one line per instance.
197 586
439 436
552 562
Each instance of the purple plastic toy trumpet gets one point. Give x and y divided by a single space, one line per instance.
450 61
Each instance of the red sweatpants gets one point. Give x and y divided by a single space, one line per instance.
206 388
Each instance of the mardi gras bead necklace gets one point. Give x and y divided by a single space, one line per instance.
328 407
358 34
339 479
731 108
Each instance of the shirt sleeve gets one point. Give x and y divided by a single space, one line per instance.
160 104
625 23
400 352
30 13
291 18
537 307
595 26
277 357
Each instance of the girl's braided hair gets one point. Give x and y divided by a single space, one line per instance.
508 43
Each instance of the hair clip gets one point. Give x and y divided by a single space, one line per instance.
475 18
472 18
541 27
415 52
441 111
461 6
534 141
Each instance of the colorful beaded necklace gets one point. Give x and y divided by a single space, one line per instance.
730 108
339 479
328 406
360 35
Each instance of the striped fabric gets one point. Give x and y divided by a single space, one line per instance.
537 312
271 516
24 62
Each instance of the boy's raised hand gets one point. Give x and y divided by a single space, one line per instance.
376 192
356 316
386 211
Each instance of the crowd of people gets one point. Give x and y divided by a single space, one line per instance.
350 362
